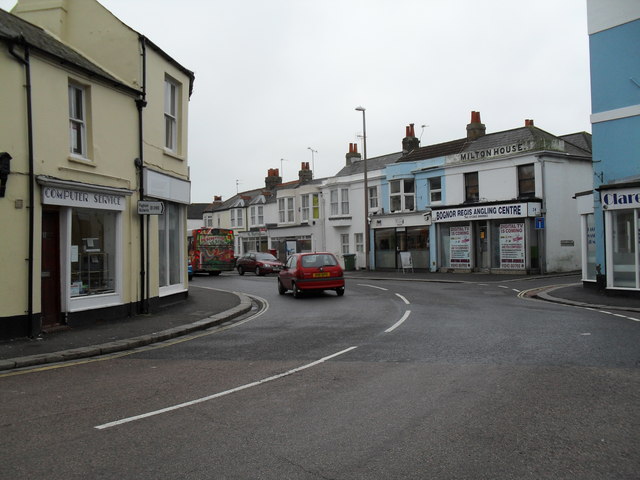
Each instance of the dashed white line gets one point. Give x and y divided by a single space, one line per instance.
372 286
221 394
515 290
399 322
403 299
502 286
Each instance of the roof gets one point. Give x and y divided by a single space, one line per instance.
578 144
196 210
375 163
15 30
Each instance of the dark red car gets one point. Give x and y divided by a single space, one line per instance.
311 271
258 262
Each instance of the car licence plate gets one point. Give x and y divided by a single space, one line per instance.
321 275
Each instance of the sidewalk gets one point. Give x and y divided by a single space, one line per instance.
206 307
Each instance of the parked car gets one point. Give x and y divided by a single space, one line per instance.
258 262
311 271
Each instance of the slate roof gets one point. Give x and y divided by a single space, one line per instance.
195 210
15 30
375 163
578 144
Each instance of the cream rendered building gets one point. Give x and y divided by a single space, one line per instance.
94 120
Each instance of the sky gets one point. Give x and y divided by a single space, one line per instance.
274 78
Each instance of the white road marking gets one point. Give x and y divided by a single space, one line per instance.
403 299
399 322
372 286
502 286
515 290
221 394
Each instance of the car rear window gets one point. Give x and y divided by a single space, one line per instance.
266 257
318 261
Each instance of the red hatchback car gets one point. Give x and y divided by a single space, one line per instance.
311 271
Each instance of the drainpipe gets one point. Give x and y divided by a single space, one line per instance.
141 102
542 240
24 60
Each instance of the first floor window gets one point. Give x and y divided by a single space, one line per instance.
93 252
471 188
344 241
526 181
435 190
344 201
237 220
333 198
77 120
285 210
315 205
402 195
171 92
305 208
373 197
170 237
257 215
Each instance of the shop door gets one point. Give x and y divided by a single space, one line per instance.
482 247
50 271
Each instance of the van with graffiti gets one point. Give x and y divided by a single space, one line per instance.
211 250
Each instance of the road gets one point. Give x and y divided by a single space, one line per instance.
395 380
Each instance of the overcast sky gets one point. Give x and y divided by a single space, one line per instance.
274 77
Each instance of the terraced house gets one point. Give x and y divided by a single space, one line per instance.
97 124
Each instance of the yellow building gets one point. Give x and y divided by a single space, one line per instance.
94 121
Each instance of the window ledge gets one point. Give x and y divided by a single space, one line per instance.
81 160
174 155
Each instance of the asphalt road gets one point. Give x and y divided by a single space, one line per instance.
395 380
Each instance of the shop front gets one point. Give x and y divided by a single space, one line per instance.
82 242
494 237
395 236
621 205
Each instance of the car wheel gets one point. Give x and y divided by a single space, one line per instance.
340 291
281 289
240 271
258 271
297 293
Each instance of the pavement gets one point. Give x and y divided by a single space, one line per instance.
205 308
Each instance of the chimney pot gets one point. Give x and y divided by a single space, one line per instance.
528 123
476 128
412 131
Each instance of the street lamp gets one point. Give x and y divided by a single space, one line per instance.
313 168
366 188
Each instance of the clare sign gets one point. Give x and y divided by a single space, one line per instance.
146 207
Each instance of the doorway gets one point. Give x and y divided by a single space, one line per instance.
50 271
482 247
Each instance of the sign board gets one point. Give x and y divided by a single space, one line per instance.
146 207
512 246
406 261
539 223
486 212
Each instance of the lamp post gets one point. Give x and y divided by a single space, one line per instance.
313 167
366 188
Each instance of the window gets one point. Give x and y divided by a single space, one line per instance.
236 218
334 202
344 197
344 242
315 204
359 239
171 90
402 195
285 210
257 215
526 181
170 238
471 191
305 208
93 239
373 197
435 190
77 120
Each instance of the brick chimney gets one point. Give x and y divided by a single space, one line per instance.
305 174
476 128
528 123
353 155
410 142
273 179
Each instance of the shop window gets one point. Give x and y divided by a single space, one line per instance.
402 195
171 120
435 190
78 129
526 181
471 190
170 238
589 269
623 248
93 252
385 248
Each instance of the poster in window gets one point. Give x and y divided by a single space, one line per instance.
512 246
459 246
